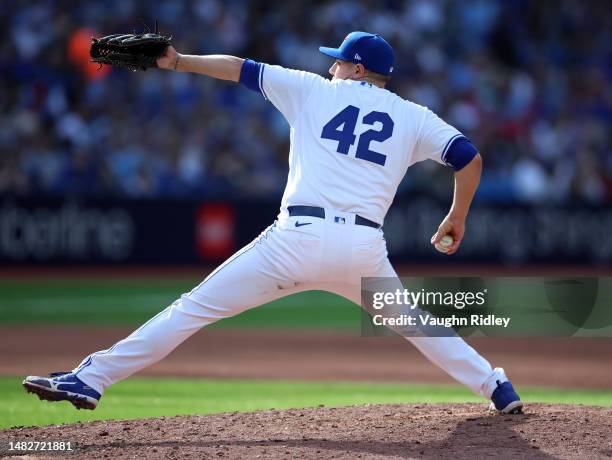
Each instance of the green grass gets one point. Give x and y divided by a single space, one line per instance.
134 300
149 397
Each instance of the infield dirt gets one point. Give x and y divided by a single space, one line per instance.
309 355
457 431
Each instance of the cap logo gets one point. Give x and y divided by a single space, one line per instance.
357 57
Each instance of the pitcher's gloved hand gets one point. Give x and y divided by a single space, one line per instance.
134 51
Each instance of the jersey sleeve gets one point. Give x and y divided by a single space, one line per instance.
436 139
287 89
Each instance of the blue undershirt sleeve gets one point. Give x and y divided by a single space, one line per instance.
250 75
460 153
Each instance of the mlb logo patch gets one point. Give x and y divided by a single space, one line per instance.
339 220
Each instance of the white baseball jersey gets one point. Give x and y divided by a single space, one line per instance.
351 142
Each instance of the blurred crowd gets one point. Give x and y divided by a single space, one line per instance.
527 81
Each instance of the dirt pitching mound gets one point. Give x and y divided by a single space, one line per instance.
372 431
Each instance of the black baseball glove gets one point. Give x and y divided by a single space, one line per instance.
134 51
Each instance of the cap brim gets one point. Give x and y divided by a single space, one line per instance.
332 52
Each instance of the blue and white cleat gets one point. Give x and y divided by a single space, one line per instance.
63 386
505 400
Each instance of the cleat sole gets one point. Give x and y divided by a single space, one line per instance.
44 394
515 407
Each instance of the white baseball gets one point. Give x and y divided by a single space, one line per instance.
444 243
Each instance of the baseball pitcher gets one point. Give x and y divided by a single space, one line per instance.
352 141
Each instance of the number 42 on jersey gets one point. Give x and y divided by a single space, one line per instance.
341 128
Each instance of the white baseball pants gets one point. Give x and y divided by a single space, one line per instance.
294 254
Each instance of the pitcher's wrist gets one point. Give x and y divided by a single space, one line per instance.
457 215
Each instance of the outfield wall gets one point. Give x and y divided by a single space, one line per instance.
66 231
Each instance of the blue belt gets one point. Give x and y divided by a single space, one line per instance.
315 211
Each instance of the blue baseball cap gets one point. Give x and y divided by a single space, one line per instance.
371 50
